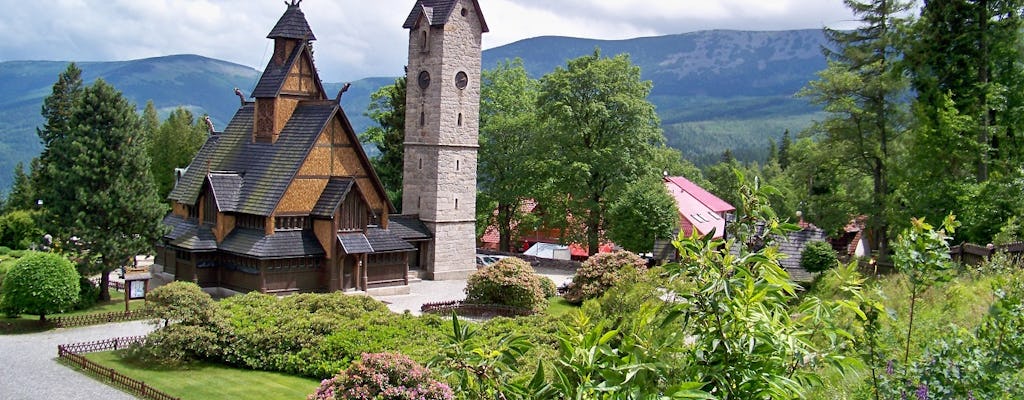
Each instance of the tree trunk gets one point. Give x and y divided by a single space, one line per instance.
504 225
593 231
105 284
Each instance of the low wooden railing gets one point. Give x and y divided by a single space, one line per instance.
72 354
462 308
99 318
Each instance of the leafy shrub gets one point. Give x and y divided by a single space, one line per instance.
818 256
88 294
548 286
383 376
600 272
17 253
18 229
40 284
510 281
4 250
190 325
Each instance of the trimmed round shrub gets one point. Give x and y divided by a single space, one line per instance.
40 284
383 376
818 256
548 286
510 281
600 272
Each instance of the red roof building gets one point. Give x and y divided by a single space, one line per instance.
698 209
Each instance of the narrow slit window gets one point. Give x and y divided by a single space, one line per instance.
460 119
456 165
423 118
421 163
456 204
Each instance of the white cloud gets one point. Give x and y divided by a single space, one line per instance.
358 38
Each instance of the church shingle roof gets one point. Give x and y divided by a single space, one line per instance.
282 244
437 13
332 196
268 168
292 25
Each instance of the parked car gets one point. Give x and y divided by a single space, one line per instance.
483 260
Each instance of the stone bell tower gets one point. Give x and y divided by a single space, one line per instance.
442 114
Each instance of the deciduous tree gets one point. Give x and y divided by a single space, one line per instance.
509 139
172 145
602 135
40 284
643 213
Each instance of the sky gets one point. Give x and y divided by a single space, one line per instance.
359 38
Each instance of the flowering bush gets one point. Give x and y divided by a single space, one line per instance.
510 281
600 272
383 376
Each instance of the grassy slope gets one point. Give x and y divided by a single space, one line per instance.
205 381
962 302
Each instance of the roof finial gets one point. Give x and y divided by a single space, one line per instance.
294 3
342 91
209 125
241 97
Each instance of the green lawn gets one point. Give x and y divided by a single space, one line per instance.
202 381
27 323
557 306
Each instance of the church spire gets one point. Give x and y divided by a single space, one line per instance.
292 24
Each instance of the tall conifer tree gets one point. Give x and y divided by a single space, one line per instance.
862 91
107 200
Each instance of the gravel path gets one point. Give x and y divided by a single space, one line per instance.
29 367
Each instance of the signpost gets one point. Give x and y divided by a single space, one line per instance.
136 284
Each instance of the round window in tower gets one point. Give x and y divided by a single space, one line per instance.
424 79
461 80
464 12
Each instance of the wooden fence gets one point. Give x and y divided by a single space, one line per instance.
462 308
973 254
100 318
72 354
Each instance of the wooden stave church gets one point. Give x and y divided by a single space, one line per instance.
284 199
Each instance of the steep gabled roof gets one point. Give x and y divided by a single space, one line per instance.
292 25
437 13
709 200
188 235
332 197
225 187
268 168
274 75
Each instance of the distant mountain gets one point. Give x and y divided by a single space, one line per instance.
713 89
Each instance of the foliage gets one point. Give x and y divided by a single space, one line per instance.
40 284
510 143
88 293
477 369
922 254
548 287
643 213
107 198
384 376
602 271
818 256
862 91
188 322
23 193
963 57
172 145
387 110
19 230
603 134
510 281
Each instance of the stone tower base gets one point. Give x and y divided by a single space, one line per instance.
454 250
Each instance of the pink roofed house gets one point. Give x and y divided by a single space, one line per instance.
698 208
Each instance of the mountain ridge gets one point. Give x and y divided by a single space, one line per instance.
713 89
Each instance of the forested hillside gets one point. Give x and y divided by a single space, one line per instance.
714 90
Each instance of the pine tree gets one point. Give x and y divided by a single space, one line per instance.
23 194
107 199
784 148
56 111
173 145
387 109
862 89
